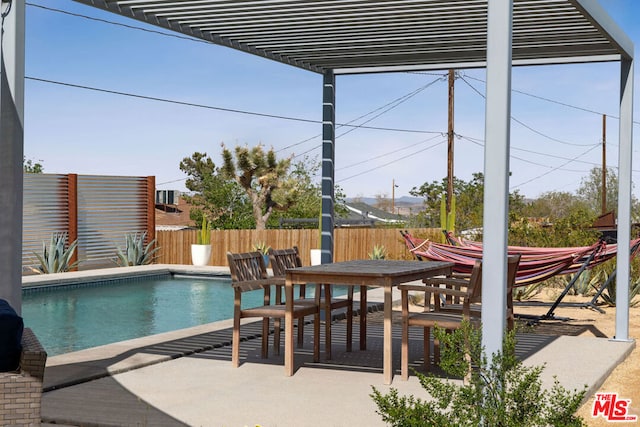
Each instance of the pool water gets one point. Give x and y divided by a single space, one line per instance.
72 318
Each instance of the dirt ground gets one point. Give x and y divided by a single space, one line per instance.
625 379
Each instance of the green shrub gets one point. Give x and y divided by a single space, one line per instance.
502 392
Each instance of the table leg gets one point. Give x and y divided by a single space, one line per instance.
363 317
327 321
288 329
387 362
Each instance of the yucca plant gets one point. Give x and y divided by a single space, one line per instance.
135 252
261 247
56 257
379 252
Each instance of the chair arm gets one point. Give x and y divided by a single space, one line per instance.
448 281
33 357
432 289
252 285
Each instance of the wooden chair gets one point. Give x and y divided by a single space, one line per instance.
427 320
452 304
283 259
248 273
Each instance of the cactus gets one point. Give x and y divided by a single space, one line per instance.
204 235
447 220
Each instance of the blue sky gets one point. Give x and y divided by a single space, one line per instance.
74 130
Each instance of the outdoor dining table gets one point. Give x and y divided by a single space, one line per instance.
375 273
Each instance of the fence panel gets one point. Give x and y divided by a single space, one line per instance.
175 246
96 210
45 212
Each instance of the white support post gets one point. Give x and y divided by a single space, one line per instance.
496 174
624 200
328 165
11 147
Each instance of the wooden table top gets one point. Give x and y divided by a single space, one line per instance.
371 269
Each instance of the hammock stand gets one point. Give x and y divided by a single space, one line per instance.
537 264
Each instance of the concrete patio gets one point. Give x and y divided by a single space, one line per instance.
185 378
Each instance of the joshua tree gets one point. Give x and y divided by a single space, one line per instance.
265 179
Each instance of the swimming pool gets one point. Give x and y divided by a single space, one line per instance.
71 318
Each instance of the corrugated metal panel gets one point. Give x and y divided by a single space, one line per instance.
45 212
108 208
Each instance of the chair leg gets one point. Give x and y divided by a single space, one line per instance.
300 332
276 336
265 337
426 339
404 353
316 337
235 348
350 320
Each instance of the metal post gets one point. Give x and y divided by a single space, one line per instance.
624 200
328 165
496 174
11 147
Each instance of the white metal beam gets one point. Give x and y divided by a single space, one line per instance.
496 174
625 155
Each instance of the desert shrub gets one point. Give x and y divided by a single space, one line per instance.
500 392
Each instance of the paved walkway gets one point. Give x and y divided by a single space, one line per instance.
185 378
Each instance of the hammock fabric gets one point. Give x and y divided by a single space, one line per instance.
536 264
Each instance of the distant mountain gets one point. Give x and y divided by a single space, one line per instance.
404 200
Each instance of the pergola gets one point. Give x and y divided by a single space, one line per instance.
334 37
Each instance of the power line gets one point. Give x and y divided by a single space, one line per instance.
553 101
389 153
552 170
211 107
391 162
386 108
525 125
130 27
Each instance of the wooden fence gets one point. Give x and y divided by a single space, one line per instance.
175 246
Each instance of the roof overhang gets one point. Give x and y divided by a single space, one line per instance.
365 36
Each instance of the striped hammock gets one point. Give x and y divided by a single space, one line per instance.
536 264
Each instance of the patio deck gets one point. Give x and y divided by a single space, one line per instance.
185 378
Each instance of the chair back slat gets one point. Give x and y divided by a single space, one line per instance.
474 289
246 267
284 259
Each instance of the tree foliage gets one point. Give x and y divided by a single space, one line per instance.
220 200
30 166
469 201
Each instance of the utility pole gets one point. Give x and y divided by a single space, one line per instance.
450 143
604 163
393 196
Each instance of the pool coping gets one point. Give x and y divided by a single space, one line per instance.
77 277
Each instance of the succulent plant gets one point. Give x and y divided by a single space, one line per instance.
56 258
135 252
204 235
379 252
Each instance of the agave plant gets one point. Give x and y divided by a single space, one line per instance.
135 252
379 252
56 257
